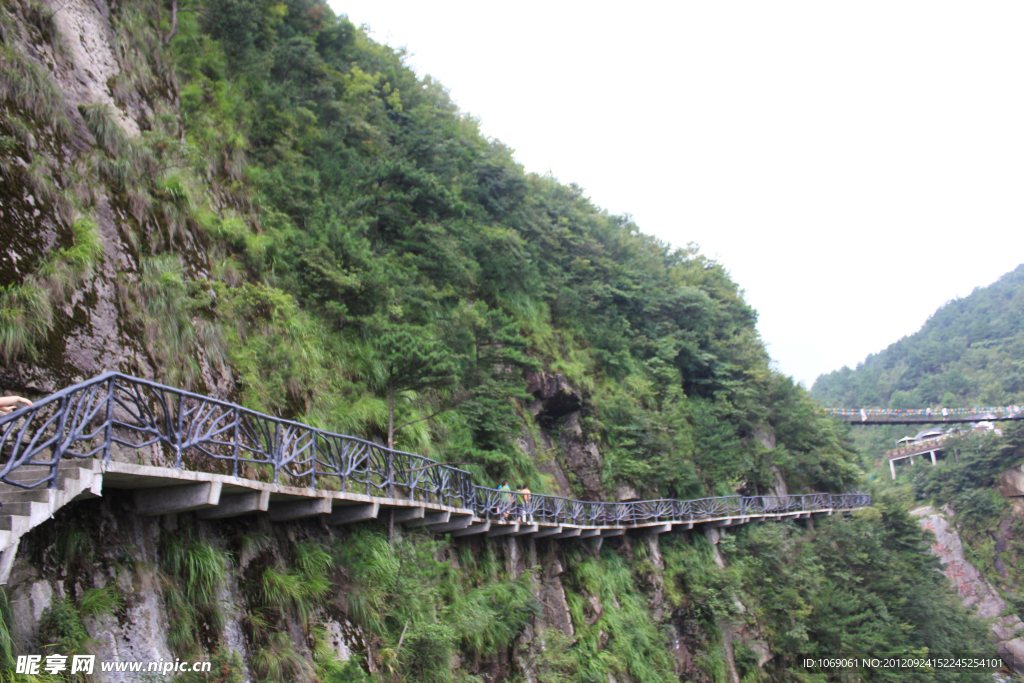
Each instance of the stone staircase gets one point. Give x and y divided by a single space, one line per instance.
24 509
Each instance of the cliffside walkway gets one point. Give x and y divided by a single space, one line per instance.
178 452
928 447
906 416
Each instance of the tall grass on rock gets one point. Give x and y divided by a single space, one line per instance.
27 309
195 573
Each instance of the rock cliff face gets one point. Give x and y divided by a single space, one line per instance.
114 548
971 586
558 408
83 87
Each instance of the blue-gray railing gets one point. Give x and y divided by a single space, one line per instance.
189 431
504 505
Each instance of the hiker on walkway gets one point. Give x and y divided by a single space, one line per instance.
524 503
504 503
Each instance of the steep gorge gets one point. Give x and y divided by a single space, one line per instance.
277 244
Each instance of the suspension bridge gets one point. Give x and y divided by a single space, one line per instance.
176 451
931 446
904 416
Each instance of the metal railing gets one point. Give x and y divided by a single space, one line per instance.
188 431
919 447
512 506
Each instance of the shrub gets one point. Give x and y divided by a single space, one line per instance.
61 629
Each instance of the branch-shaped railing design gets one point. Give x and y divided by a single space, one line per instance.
504 505
198 433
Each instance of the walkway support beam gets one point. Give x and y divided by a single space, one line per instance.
171 499
347 514
241 504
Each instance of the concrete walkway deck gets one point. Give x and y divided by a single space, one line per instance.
164 490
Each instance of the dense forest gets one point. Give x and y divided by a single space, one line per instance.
435 271
334 231
282 213
969 353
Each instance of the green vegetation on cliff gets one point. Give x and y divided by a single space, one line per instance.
968 354
302 223
382 268
968 483
292 216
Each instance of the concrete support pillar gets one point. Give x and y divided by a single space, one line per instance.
503 530
570 533
7 560
408 514
551 531
932 453
353 513
455 522
298 509
168 499
241 504
892 468
430 518
475 528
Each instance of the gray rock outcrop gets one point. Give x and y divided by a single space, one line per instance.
971 586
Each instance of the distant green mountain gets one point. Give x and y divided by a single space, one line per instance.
969 353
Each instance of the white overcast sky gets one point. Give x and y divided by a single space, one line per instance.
853 165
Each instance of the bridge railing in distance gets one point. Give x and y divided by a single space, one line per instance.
112 413
979 414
